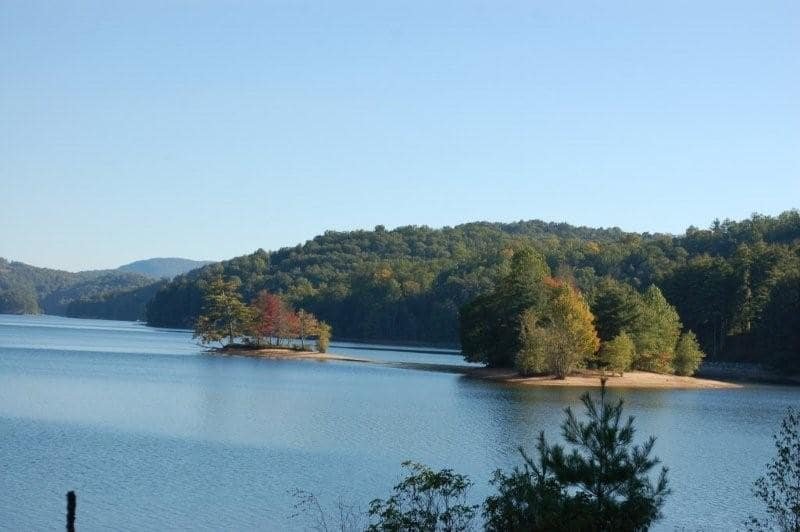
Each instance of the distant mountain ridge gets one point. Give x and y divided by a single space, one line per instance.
26 289
163 267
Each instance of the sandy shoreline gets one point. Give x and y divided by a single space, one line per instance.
586 379
591 379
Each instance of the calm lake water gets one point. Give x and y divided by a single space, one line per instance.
155 434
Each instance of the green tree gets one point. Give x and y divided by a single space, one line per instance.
617 354
564 336
615 306
490 324
224 313
655 332
779 489
688 354
425 501
602 484
531 358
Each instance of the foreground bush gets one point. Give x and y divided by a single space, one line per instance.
425 500
601 484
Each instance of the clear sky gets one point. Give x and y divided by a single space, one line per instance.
210 129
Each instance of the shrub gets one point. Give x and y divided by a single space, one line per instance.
425 500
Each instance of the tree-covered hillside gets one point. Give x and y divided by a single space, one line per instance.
401 285
126 304
408 284
26 289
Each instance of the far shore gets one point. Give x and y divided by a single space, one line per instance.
580 379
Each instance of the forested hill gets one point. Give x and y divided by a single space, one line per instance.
26 289
160 268
110 294
730 282
399 285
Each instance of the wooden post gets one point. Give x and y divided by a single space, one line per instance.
71 503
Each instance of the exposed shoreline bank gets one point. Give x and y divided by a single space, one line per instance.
585 379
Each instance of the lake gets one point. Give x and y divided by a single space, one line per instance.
153 433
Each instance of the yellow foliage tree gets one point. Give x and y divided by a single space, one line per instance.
560 340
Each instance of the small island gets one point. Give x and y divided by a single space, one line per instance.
535 327
267 327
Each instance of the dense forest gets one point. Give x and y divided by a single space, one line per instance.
735 285
126 304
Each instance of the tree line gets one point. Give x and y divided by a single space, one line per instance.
539 323
265 322
736 284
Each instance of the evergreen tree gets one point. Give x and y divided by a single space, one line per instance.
490 324
602 484
224 314
615 306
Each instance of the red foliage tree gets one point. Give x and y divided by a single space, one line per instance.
288 325
272 313
274 318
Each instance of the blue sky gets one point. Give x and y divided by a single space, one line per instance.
209 129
